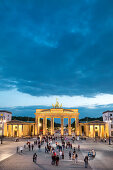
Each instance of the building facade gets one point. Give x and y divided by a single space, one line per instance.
108 118
5 116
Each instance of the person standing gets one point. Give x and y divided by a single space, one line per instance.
21 149
34 157
74 150
86 161
71 145
78 147
29 146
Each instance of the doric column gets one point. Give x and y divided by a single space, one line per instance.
7 130
93 131
12 131
77 126
52 125
80 130
89 135
22 131
34 129
69 126
44 125
105 131
62 126
99 131
38 126
18 130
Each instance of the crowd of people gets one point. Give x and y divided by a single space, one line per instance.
57 152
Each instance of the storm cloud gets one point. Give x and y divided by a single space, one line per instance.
56 47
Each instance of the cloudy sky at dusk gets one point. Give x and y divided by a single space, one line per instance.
56 48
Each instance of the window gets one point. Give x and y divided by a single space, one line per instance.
110 114
111 125
95 127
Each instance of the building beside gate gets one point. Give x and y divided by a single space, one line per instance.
94 129
5 116
108 118
16 128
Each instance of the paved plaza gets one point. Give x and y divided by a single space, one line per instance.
10 160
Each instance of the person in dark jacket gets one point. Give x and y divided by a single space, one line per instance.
62 154
34 157
86 161
57 160
69 154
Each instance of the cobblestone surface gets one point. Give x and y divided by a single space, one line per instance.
24 161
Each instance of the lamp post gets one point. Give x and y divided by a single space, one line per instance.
2 121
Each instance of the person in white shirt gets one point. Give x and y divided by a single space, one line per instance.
60 154
21 149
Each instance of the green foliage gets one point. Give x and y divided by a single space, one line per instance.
33 120
86 119
23 118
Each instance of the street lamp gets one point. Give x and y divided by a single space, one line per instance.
2 121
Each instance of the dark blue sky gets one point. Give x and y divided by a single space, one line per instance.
56 48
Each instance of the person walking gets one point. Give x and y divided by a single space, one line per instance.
76 157
45 149
78 147
32 146
17 149
69 154
73 157
29 146
57 160
62 154
86 161
34 157
74 150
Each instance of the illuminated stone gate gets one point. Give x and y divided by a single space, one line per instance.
56 112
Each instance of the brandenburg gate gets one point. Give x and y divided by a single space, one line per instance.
56 112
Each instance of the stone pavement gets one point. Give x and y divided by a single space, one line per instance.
24 161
